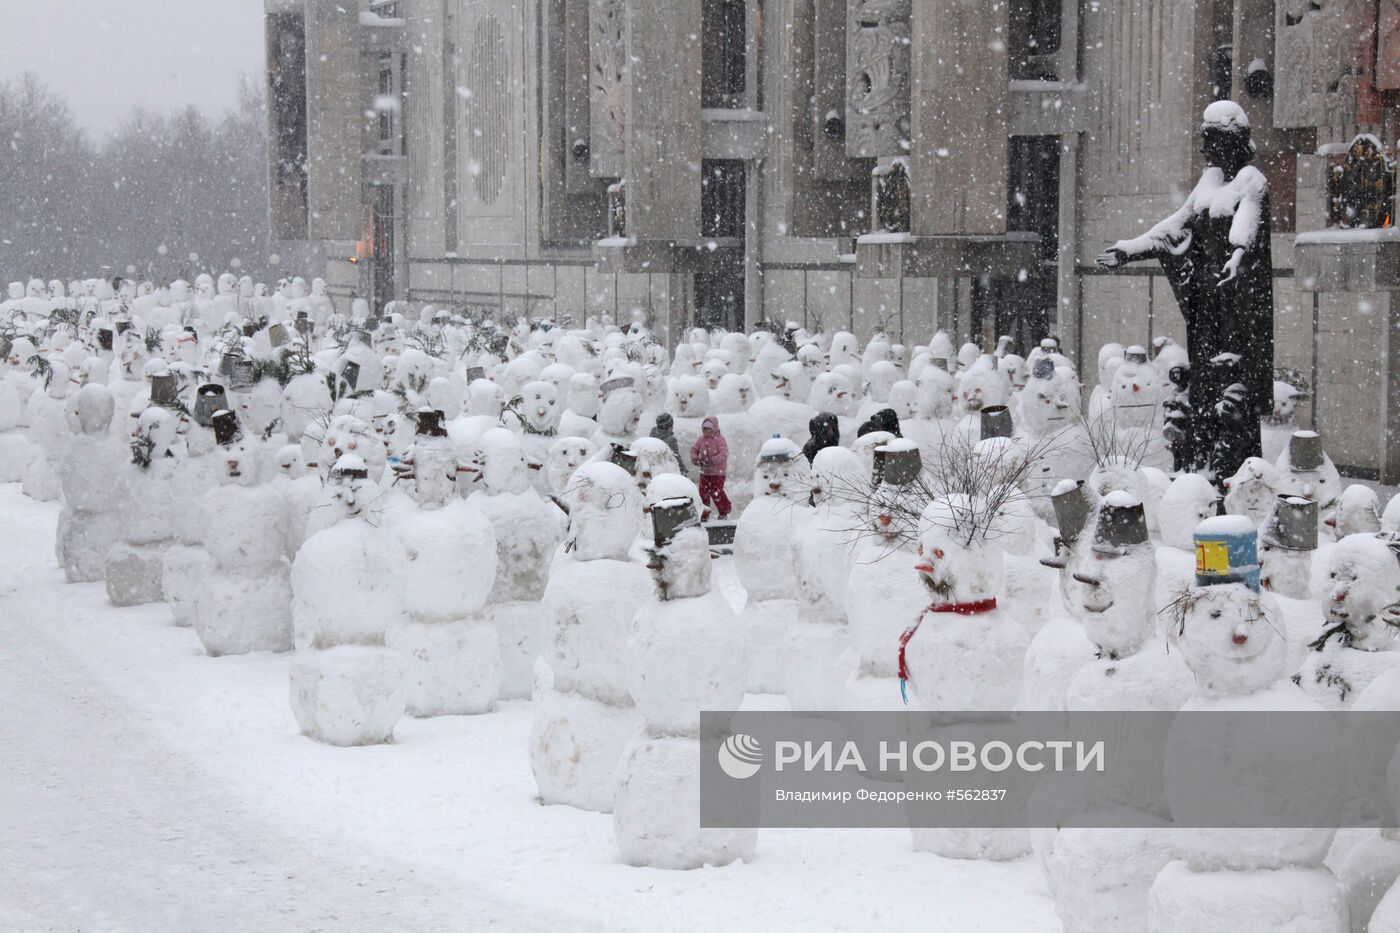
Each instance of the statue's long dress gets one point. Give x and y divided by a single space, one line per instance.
1236 317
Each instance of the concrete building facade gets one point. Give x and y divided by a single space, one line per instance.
849 164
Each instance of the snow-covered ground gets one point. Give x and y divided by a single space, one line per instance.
145 786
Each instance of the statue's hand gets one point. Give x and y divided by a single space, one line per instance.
1231 268
1112 258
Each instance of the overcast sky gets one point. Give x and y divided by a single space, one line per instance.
107 56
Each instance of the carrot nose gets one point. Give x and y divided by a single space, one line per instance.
925 567
1241 635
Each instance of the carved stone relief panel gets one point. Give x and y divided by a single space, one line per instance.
877 69
608 86
1323 63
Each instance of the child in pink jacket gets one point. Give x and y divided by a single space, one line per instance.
711 455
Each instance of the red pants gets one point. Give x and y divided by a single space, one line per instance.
712 493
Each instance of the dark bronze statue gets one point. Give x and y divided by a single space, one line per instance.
1215 251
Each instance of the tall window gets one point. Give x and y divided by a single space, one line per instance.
1036 34
724 54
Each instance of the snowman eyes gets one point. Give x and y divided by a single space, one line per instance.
1215 613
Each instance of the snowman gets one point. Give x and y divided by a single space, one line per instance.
580 418
89 524
961 652
833 394
882 596
1287 541
528 529
1101 876
743 432
566 455
763 555
690 404
585 717
243 601
196 473
822 556
981 386
652 457
1061 648
1252 490
1188 501
147 507
1357 642
1135 409
1242 879
450 647
1358 512
47 431
1101 399
686 654
1304 469
16 449
785 410
620 414
1279 425
537 419
347 688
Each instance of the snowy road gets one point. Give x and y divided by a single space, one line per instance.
144 786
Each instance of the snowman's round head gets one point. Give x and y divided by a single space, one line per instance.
434 471
227 284
606 512
880 379
844 348
485 399
621 411
781 470
1230 637
790 381
833 392
290 463
565 457
583 395
1111 589
812 357
734 394
1013 368
349 491
713 370
690 397
1188 501
904 400
16 291
349 435
558 375
518 372
305 399
836 473
1110 358
1358 511
937 392
982 386
539 407
90 410
60 380
1286 398
1363 580
239 457
503 467
159 429
954 563
654 458
1045 403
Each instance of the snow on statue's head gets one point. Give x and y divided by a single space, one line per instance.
539 407
1363 579
606 512
565 457
833 392
790 382
836 472
955 563
350 492
621 411
654 458
1188 501
1112 590
690 397
485 399
90 410
503 467
734 394
904 399
781 470
1045 402
1225 137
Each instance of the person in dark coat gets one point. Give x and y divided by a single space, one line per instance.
826 432
665 430
886 420
1215 251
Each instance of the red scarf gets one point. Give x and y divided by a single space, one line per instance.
963 609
